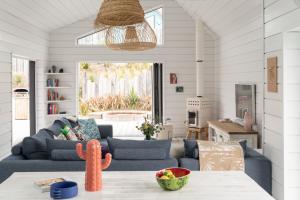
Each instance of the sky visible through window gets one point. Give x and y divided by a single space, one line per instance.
154 18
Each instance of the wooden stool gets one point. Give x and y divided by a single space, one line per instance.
197 132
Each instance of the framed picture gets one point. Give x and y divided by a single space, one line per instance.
173 78
179 89
272 74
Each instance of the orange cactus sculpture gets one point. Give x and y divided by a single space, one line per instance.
94 165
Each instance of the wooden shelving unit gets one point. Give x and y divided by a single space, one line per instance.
54 104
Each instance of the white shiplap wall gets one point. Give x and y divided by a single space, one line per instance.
291 90
281 123
5 103
209 47
19 38
273 117
238 25
239 56
177 54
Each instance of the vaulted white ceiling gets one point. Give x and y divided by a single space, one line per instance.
219 15
51 14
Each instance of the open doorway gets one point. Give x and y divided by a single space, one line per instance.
23 104
120 94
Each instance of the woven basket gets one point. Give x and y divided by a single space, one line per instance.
138 37
119 13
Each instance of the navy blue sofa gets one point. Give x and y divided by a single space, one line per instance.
32 160
32 155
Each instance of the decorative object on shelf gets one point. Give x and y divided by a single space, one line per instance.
64 190
63 113
137 37
179 89
53 69
149 128
119 13
62 98
61 70
49 71
172 178
94 165
173 78
272 74
248 121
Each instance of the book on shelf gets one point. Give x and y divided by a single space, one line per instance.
52 82
53 109
52 95
45 185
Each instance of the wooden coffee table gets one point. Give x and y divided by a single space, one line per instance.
141 185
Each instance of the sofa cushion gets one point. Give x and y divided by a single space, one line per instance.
71 145
89 128
142 165
140 154
35 147
64 155
142 148
62 145
105 131
189 148
243 144
17 149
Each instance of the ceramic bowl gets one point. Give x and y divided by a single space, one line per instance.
179 181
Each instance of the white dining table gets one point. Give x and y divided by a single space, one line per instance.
134 185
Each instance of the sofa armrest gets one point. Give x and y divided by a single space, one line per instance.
105 131
260 169
17 149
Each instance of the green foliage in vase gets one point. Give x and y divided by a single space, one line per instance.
149 128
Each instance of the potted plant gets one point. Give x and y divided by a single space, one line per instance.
149 128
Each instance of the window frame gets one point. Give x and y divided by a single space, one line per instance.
98 30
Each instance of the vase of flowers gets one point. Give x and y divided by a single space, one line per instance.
149 128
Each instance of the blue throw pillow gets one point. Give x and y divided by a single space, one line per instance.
189 148
89 129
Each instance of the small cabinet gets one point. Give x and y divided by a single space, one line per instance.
229 131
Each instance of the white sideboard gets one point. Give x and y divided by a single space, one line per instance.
229 131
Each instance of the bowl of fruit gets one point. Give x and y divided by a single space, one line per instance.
172 178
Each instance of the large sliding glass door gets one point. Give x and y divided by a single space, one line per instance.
120 94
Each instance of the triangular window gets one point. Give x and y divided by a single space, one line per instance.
153 17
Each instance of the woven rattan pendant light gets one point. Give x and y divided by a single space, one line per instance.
119 13
137 37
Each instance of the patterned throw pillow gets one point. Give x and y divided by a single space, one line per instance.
78 132
89 128
68 133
